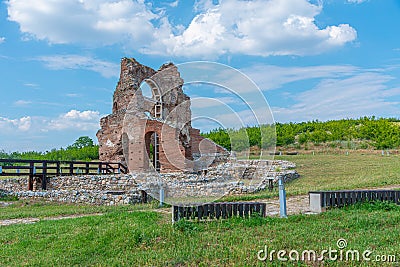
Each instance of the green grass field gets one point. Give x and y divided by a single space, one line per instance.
141 235
336 171
332 172
144 238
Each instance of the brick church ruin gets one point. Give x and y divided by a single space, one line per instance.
154 133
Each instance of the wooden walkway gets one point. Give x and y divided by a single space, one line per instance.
43 169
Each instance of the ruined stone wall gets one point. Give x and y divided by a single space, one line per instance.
132 75
122 134
86 189
171 151
110 135
223 179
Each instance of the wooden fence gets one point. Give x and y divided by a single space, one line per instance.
42 169
219 210
320 200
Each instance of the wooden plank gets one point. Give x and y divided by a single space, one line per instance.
223 211
332 199
188 213
361 197
234 209
241 209
257 208
200 213
194 212
204 210
58 169
44 176
263 209
15 167
246 210
323 197
229 210
347 198
181 212
211 210
217 208
175 214
355 197
253 208
30 179
342 199
71 169
370 196
364 196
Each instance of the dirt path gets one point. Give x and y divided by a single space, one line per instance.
294 205
35 220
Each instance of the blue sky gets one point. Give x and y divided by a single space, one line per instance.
59 60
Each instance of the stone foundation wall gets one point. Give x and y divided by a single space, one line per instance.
88 189
223 179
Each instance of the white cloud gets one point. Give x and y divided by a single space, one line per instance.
22 102
357 1
2 39
174 4
73 95
257 27
84 21
269 77
207 102
43 133
59 62
362 94
337 92
22 124
261 28
76 120
31 84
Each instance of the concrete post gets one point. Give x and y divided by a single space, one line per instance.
282 198
315 202
162 197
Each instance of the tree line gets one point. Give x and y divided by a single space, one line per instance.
82 149
370 132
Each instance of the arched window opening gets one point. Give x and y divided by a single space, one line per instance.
152 141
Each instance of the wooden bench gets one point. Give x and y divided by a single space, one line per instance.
321 200
218 210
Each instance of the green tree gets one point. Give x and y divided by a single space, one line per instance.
81 142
